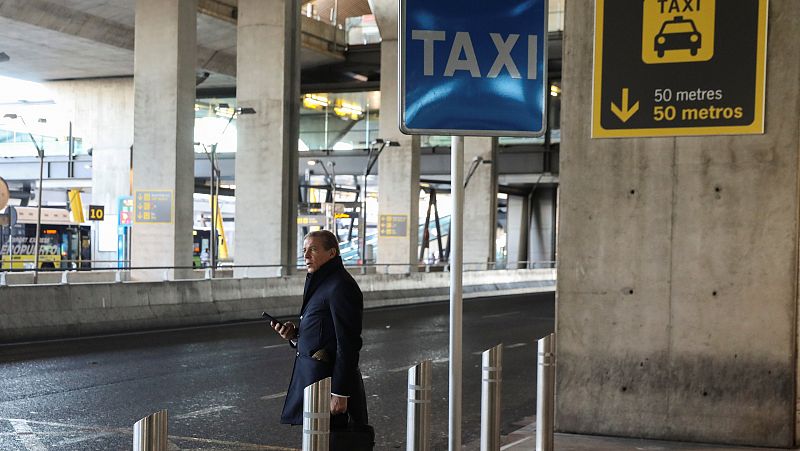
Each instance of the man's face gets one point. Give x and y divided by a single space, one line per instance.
315 253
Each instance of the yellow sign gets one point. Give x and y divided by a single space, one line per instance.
676 31
694 67
153 207
393 226
97 212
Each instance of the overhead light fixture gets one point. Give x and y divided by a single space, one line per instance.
315 101
555 90
4 57
224 110
348 110
359 77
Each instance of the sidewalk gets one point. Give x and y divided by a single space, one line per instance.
524 439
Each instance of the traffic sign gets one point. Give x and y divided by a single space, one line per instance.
473 67
679 67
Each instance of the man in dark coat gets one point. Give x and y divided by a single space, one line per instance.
328 338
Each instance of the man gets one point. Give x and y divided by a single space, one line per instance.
328 338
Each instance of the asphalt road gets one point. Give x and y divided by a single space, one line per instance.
224 385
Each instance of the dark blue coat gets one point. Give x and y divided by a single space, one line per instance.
330 320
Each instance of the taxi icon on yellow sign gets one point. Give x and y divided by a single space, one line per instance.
678 34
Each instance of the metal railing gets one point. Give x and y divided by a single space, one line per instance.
166 273
418 419
150 433
491 385
317 416
545 393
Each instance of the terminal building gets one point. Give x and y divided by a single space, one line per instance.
170 156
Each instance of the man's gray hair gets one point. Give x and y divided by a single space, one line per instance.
328 239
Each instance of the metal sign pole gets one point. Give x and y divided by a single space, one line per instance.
456 301
212 242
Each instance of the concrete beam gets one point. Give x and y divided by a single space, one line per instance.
385 12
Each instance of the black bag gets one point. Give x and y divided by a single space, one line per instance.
355 437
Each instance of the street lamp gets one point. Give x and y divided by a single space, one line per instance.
40 152
375 149
215 176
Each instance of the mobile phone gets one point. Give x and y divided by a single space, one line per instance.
269 317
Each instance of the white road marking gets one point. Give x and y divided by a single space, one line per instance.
84 438
405 368
509 445
129 431
515 345
500 315
26 436
202 412
275 396
275 346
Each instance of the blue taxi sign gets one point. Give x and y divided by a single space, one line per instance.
473 67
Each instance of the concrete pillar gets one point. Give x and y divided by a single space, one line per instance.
543 227
480 202
677 311
517 231
268 80
101 111
398 176
163 155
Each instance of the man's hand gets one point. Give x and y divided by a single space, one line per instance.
338 404
287 330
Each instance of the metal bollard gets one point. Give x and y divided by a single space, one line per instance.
418 420
545 393
317 416
492 382
150 433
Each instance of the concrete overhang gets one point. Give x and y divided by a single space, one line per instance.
49 40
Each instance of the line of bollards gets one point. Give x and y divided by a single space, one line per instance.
316 404
150 433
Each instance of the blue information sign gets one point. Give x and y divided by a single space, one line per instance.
473 67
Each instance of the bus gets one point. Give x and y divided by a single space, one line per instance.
63 244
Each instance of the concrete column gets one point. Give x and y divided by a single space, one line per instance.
543 226
517 231
480 203
398 176
678 266
101 111
163 155
268 80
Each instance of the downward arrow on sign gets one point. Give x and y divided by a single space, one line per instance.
624 113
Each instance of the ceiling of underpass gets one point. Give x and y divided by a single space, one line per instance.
74 39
